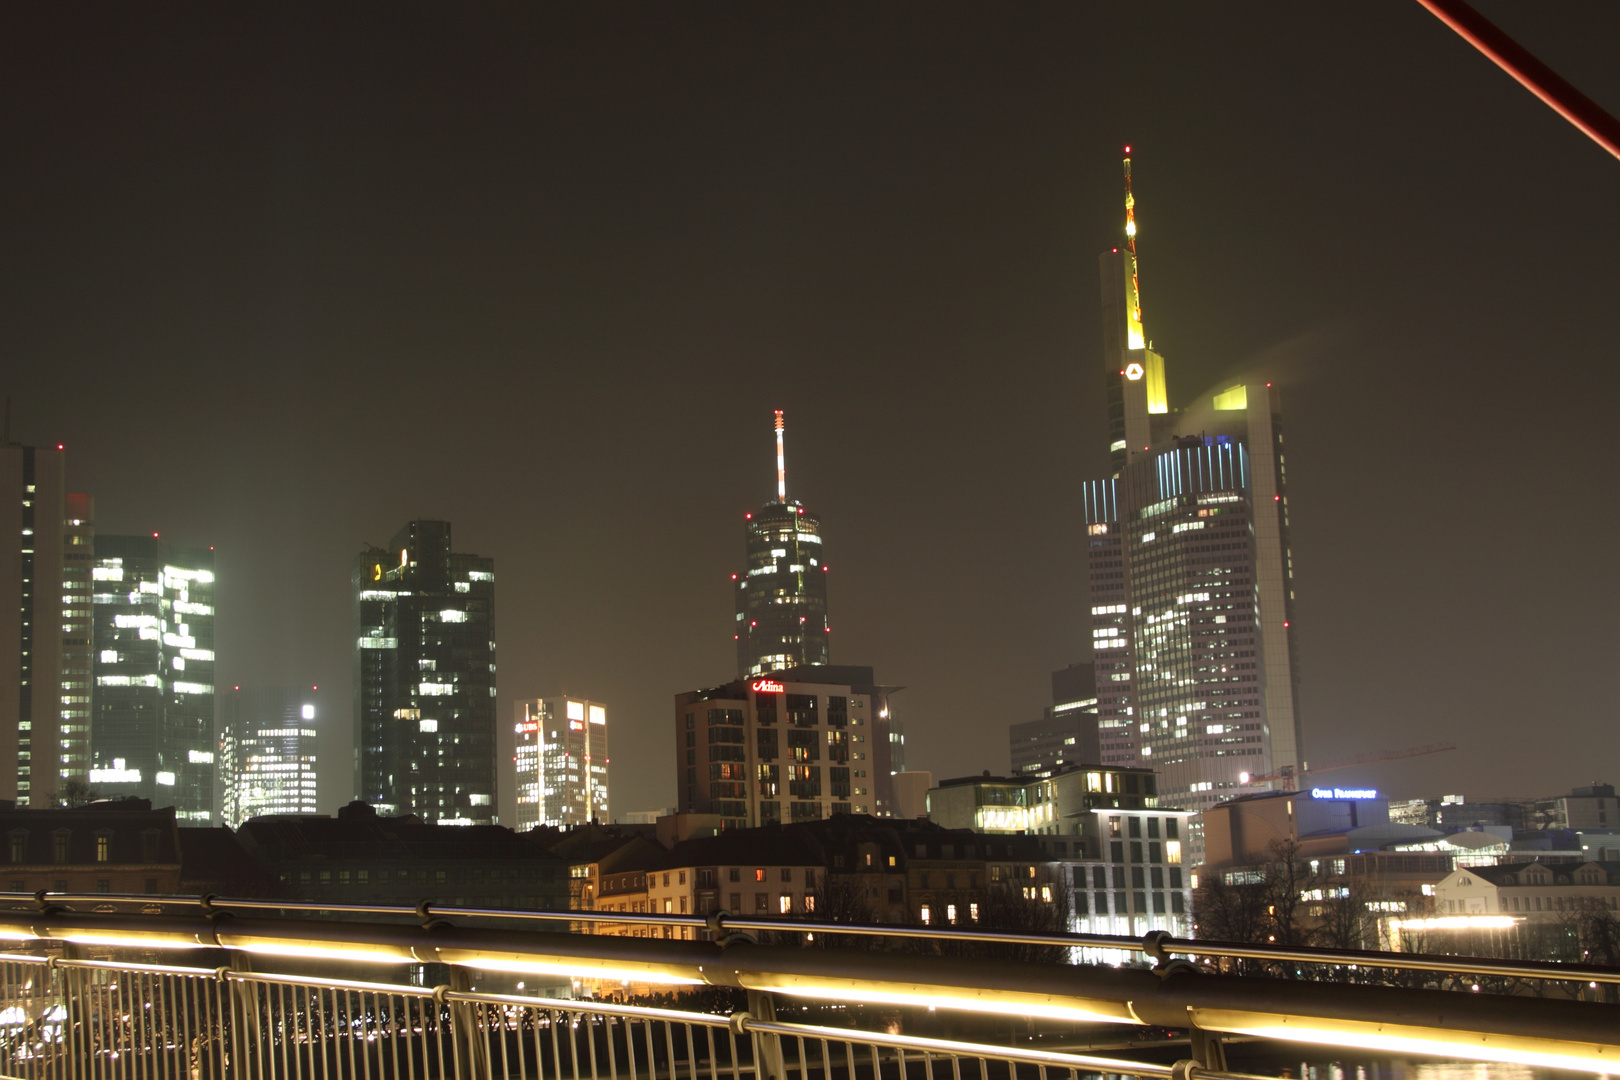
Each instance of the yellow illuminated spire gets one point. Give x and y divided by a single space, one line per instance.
1135 338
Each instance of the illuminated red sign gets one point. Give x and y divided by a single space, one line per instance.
769 686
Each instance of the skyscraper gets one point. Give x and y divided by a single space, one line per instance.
1066 734
78 636
424 678
782 594
152 720
33 617
562 762
1190 568
267 751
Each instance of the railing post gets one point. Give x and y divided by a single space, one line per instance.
472 1062
768 1061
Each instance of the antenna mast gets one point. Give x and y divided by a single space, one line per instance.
781 462
1137 339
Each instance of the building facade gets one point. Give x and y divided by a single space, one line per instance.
111 847
424 678
45 639
267 751
781 596
562 762
78 638
1101 832
1190 569
1066 735
795 745
152 718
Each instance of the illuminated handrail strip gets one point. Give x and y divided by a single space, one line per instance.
723 921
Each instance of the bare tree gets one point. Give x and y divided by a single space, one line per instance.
74 792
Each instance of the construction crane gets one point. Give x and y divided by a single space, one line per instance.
1289 775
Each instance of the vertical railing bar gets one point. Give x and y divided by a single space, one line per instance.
714 1057
449 1012
956 1067
669 1048
348 1031
185 990
309 1031
365 1032
691 1054
590 1044
804 1067
482 1016
652 1051
506 1057
877 1063
410 1045
534 1028
556 1049
608 1024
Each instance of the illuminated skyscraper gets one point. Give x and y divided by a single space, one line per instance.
31 603
78 630
267 751
44 634
424 678
1190 568
562 762
782 595
152 720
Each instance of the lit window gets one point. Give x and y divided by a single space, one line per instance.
924 914
785 904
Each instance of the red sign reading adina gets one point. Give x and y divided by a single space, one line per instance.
769 686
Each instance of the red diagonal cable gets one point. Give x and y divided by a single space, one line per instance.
1536 77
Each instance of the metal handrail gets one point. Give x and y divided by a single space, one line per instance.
739 1022
1156 944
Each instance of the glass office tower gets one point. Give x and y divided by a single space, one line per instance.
1190 569
152 719
781 597
267 751
562 762
424 678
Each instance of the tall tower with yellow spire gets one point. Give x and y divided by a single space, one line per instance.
1135 373
1191 571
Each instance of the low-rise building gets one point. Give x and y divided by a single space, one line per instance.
121 846
1099 828
1535 891
359 857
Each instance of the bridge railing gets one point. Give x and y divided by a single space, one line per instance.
103 1020
1557 1030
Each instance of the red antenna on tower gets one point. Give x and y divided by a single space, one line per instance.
781 462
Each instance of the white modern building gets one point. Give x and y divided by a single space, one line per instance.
267 752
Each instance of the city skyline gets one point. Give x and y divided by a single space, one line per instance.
900 254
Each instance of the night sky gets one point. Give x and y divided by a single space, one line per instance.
283 277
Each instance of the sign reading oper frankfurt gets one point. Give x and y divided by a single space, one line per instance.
1343 793
769 686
